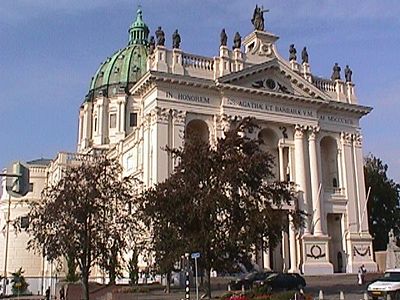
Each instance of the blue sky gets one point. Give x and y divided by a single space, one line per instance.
50 49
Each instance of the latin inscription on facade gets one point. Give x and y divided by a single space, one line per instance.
272 107
336 119
182 96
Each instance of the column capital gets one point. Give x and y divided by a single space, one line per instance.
313 131
299 131
159 115
179 117
346 138
357 139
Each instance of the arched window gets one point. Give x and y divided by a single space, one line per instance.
199 128
270 145
329 163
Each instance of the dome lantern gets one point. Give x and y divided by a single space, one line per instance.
138 31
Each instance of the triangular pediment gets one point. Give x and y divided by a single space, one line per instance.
274 76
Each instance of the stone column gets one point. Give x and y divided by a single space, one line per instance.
301 179
318 216
340 169
281 167
292 243
285 251
348 176
266 259
360 182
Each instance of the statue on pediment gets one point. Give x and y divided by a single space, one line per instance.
237 41
304 56
336 72
160 35
176 40
152 45
348 73
223 38
258 18
292 52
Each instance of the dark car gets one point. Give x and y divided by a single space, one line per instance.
248 280
282 281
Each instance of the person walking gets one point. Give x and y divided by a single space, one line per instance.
47 294
361 274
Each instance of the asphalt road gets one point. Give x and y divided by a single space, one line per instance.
331 285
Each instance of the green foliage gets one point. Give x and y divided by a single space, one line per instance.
19 284
86 214
383 203
220 201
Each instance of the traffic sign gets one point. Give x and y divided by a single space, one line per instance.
195 255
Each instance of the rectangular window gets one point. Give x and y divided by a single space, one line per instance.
133 119
113 120
95 124
24 222
30 187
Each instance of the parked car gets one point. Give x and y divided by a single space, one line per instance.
282 281
389 284
248 280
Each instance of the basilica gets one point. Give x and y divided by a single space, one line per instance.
145 96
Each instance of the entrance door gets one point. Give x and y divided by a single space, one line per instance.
336 253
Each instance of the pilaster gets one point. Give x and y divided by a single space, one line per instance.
294 65
306 70
339 88
224 61
350 93
238 59
160 59
177 67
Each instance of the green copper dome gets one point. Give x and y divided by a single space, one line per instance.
125 67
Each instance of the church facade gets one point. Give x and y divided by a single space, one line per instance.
309 124
146 96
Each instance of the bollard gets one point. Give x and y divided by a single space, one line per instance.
321 295
341 295
365 296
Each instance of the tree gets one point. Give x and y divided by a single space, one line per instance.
87 213
19 284
383 202
220 201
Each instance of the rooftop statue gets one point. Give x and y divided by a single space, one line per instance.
160 35
304 55
152 45
237 41
336 72
223 38
176 40
348 73
258 18
292 52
